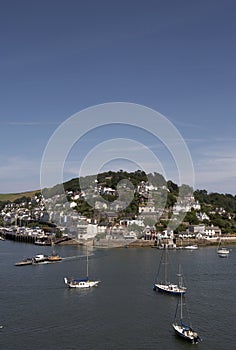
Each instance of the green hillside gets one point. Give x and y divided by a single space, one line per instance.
11 197
219 208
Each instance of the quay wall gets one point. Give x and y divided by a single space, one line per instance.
116 243
19 237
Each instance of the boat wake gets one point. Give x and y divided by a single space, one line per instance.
76 257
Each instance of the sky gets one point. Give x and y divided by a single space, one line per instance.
59 58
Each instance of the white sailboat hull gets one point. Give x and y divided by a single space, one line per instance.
80 284
83 283
191 247
164 285
223 252
170 288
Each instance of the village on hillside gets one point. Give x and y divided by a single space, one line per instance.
103 216
109 222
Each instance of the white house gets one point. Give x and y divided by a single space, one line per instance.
202 216
128 222
212 231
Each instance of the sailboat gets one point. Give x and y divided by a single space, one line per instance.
81 283
181 329
222 251
164 285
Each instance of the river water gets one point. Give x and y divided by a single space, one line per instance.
38 311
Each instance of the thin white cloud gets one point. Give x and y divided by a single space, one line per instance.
29 123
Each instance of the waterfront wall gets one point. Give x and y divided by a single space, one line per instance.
19 237
116 243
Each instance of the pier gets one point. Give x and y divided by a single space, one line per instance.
13 236
33 239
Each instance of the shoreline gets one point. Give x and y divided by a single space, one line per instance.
175 243
140 243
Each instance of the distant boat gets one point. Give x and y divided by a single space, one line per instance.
222 251
83 282
39 259
162 285
42 242
24 262
191 247
183 330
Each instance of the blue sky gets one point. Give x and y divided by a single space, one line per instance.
60 57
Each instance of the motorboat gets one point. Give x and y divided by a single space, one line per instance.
54 257
24 262
223 252
191 247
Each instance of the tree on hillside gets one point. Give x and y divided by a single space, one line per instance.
172 187
171 200
192 218
185 190
201 196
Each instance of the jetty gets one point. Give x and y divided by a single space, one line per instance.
26 237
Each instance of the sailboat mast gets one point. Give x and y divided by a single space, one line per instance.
165 265
181 294
53 250
180 278
87 259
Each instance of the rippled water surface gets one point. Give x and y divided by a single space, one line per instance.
38 311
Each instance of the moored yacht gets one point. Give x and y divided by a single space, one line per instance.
81 282
223 252
191 247
165 286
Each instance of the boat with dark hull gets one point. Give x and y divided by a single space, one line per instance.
187 333
183 330
24 262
